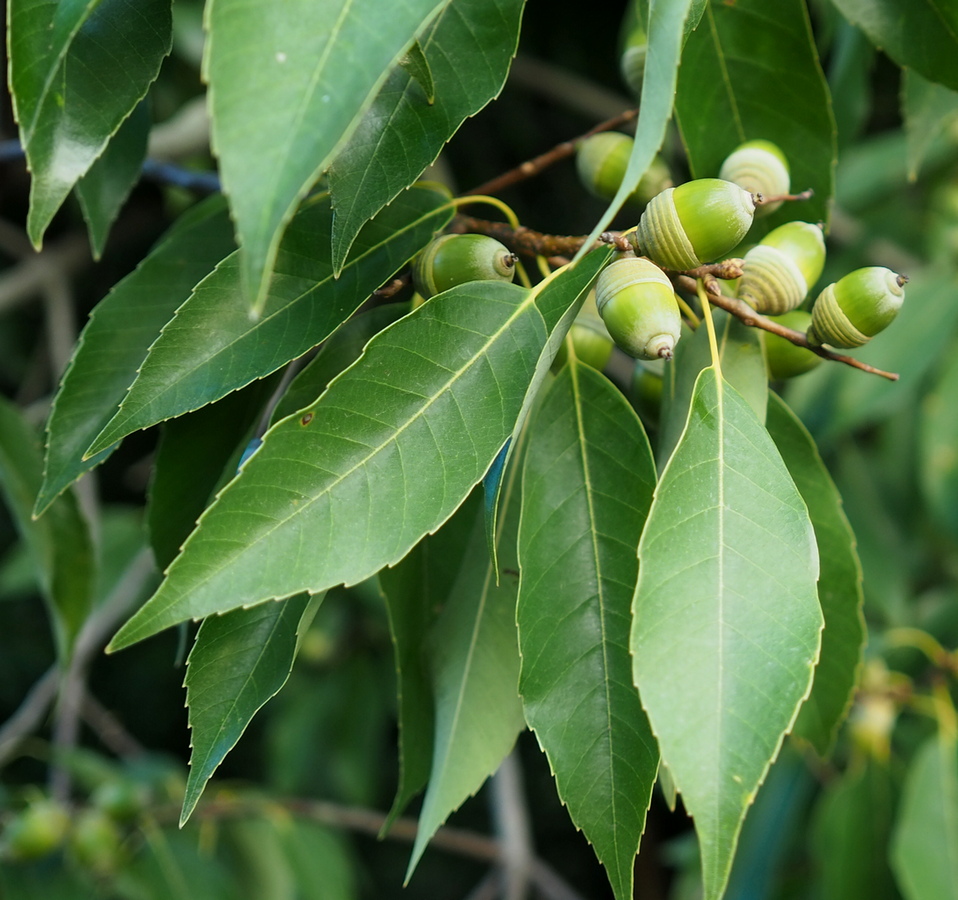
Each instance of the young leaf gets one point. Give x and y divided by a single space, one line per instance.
726 621
666 30
839 585
467 50
108 182
212 346
77 70
59 542
587 487
116 339
473 659
917 34
238 662
749 71
924 851
288 86
385 456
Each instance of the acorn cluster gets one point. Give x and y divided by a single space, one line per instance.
702 221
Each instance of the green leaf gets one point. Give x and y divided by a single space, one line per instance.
924 850
369 469
851 826
338 353
916 34
666 30
116 339
474 670
839 584
238 662
937 443
467 50
108 182
197 452
749 71
212 346
59 542
743 366
587 487
417 66
77 70
288 86
726 620
929 110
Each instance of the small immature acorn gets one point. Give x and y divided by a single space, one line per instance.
779 271
635 47
601 161
759 167
452 259
590 338
855 308
637 303
694 223
783 358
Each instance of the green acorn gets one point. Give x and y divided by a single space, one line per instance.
637 303
855 308
779 271
694 223
453 259
759 167
601 161
783 358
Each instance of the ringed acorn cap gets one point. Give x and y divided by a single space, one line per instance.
637 303
779 271
760 167
855 308
694 223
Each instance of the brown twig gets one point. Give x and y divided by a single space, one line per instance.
743 311
532 167
523 241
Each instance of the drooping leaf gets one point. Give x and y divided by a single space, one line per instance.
726 620
559 298
851 826
116 339
197 452
839 584
78 68
238 662
385 456
467 50
288 86
108 182
743 366
587 487
924 850
916 34
474 670
666 31
750 71
212 346
929 109
59 542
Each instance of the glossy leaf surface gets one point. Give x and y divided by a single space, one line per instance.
839 584
286 91
212 346
726 620
238 662
587 487
78 68
467 49
118 335
374 451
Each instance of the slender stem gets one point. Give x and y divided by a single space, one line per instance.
511 820
30 714
532 167
710 325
